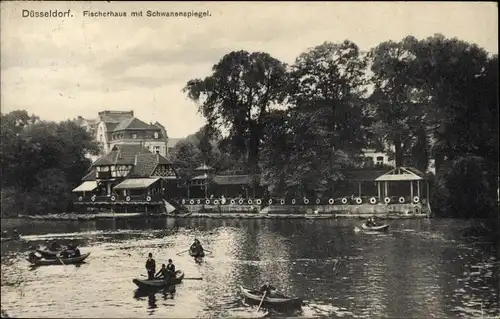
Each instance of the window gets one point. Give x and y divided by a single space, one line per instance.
157 150
156 134
380 160
134 136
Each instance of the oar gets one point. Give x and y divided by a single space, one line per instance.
262 300
60 260
182 252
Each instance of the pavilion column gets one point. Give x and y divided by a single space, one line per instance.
108 186
378 191
428 191
418 189
411 190
359 189
386 190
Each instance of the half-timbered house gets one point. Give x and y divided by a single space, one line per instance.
128 179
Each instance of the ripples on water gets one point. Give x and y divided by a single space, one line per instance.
418 269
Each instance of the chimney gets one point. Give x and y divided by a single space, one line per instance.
157 158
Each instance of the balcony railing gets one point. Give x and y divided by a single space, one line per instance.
117 198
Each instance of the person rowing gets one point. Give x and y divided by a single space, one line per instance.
163 273
267 288
196 247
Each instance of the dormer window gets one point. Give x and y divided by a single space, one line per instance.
156 134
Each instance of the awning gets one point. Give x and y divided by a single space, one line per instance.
86 186
135 183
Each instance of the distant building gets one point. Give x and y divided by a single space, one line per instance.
378 158
121 127
90 125
135 131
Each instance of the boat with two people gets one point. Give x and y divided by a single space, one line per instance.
268 297
52 256
373 225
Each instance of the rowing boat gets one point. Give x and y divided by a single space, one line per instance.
159 283
274 300
375 228
197 254
59 261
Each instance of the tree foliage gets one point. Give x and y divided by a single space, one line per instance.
41 162
238 95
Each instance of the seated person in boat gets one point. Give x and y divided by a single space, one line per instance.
66 253
151 267
267 288
54 246
196 247
371 222
171 268
73 250
163 273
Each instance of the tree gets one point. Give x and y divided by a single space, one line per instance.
306 147
238 95
328 83
186 157
397 112
53 162
459 82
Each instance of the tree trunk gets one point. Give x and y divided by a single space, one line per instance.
398 151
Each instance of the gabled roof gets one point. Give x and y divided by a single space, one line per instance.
401 174
121 154
135 124
145 164
91 176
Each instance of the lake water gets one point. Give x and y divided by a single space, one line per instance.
419 269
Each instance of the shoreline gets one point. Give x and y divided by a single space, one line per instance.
235 215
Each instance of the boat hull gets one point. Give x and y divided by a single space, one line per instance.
60 261
375 228
255 297
197 254
159 283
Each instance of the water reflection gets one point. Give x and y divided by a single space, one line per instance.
418 269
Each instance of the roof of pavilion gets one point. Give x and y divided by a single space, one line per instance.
401 174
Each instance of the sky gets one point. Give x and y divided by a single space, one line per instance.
61 68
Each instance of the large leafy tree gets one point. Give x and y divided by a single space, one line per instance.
53 162
306 147
395 100
237 96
